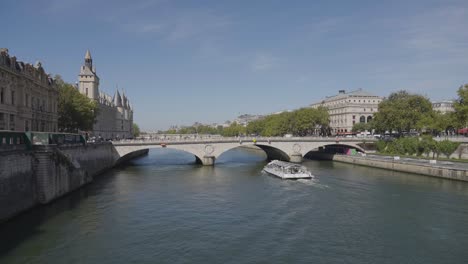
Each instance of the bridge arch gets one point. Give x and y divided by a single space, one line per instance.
271 152
328 150
124 152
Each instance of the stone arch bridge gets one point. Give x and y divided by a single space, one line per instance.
206 151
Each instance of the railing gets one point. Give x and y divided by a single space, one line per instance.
207 139
45 138
11 140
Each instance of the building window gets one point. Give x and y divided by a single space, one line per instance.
2 92
364 109
12 122
86 91
27 100
26 125
369 118
354 117
362 119
13 97
2 121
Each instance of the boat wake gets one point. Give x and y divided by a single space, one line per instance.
313 182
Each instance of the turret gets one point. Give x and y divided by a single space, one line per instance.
88 60
88 81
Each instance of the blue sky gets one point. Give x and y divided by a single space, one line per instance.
209 61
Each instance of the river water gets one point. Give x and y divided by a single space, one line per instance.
163 209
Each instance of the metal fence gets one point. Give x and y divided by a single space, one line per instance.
12 140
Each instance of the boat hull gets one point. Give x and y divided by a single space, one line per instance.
286 176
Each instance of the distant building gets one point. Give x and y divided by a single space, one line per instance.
245 119
28 96
115 118
346 109
443 106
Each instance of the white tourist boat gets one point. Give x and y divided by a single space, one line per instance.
287 170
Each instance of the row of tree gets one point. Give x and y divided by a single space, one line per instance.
417 146
301 122
405 112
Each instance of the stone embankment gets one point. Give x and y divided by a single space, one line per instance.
440 169
40 175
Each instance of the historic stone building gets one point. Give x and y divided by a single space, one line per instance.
115 118
443 106
347 109
28 96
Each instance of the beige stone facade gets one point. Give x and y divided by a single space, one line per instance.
349 108
443 106
28 96
115 118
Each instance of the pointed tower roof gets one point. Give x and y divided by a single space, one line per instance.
128 104
117 99
87 55
124 99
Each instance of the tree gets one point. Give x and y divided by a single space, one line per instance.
301 122
461 106
136 130
234 130
447 147
403 111
360 127
75 110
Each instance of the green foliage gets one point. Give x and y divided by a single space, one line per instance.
403 111
442 122
302 122
381 146
136 130
75 110
234 130
461 107
417 146
447 147
361 127
196 129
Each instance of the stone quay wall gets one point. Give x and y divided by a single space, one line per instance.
38 176
17 183
433 170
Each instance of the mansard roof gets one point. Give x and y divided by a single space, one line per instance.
343 94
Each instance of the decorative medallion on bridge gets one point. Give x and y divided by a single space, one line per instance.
297 148
209 149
